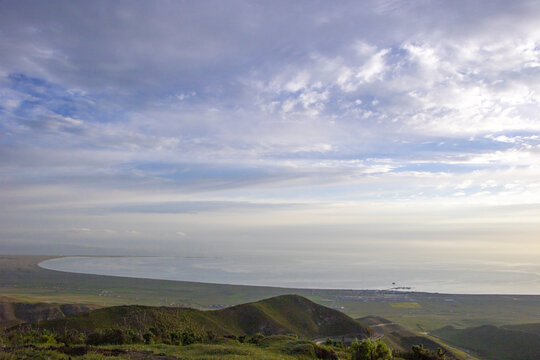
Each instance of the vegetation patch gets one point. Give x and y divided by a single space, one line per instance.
406 305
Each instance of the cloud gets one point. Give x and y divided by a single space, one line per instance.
187 207
199 109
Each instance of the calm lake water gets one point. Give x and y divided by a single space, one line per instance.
301 273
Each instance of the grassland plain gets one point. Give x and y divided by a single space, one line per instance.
23 280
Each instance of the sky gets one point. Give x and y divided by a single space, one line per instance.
401 130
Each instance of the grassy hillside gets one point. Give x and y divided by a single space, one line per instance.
493 343
290 314
13 312
287 314
399 338
274 328
254 330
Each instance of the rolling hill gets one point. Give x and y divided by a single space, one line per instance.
398 337
14 312
286 314
290 314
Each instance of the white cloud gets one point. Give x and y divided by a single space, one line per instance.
434 103
299 82
464 185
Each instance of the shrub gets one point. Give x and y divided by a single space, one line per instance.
108 337
370 350
306 349
186 337
210 336
256 339
31 336
46 337
71 337
323 352
148 337
418 352
334 343
133 337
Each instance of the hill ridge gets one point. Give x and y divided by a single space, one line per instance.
16 312
284 314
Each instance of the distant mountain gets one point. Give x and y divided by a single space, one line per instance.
286 314
400 338
496 343
14 312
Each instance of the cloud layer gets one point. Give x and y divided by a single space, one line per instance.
193 123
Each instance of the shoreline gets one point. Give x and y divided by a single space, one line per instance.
402 290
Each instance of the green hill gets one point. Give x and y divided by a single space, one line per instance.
400 338
290 314
286 314
491 342
14 312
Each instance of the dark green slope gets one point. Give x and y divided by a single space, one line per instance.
494 343
13 312
290 314
286 314
134 317
528 328
399 338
